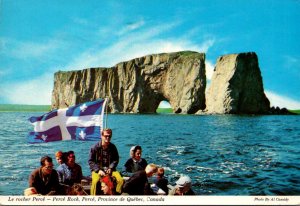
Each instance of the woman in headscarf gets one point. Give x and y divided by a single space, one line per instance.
135 162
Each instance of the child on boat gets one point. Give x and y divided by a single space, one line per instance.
160 180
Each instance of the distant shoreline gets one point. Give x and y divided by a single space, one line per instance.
24 108
295 111
47 108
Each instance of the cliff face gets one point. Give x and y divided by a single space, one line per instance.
139 85
237 87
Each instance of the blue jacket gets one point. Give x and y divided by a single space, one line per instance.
68 175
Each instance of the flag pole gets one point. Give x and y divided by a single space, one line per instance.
105 124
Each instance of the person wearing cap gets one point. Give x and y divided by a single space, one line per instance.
183 187
103 160
138 183
135 162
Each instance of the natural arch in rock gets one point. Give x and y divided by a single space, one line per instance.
164 107
138 85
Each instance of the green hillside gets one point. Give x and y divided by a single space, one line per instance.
46 108
295 111
24 108
164 110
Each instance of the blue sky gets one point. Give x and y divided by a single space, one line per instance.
38 38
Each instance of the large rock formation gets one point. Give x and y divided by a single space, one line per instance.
237 87
139 85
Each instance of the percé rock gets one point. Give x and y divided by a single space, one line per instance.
237 87
138 85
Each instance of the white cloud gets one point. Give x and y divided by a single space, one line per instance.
34 92
291 61
209 69
282 101
147 42
131 27
132 45
151 47
33 49
137 45
147 34
29 49
292 65
207 44
109 56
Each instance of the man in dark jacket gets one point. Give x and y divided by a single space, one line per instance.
138 184
103 159
45 178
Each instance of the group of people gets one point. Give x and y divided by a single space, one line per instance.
105 179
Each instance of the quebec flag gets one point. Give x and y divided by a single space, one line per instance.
80 122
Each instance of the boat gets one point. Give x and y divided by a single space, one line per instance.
86 183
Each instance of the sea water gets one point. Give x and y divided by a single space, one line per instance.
223 154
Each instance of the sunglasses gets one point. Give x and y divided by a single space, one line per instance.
107 136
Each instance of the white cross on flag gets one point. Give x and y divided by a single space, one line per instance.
80 122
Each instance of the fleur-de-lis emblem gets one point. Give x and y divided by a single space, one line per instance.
83 107
44 137
82 134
